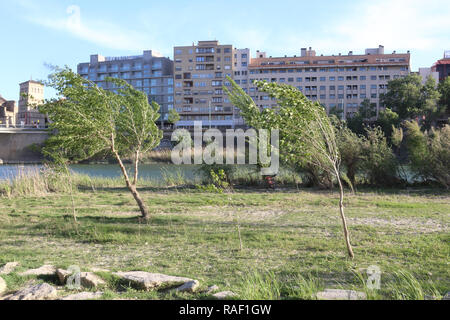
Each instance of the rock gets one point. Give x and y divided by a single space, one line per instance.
45 270
2 286
212 289
338 294
95 269
224 295
147 281
41 291
190 287
91 280
8 268
84 296
62 275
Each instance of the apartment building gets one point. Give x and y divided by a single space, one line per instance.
150 73
31 96
242 58
200 73
442 66
337 81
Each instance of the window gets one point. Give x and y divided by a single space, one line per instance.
362 78
332 78
323 79
373 77
299 79
340 78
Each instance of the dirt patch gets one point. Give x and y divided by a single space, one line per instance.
411 225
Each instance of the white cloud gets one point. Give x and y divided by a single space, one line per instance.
400 24
99 32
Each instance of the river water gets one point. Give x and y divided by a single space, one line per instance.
146 171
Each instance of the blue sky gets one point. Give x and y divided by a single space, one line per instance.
35 32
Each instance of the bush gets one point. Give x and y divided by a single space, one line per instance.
379 164
350 147
429 153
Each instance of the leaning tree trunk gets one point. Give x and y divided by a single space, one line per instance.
344 220
133 189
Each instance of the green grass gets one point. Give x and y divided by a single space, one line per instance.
292 239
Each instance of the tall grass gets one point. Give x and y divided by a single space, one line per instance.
404 286
258 285
35 182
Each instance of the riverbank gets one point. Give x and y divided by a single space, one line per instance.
286 236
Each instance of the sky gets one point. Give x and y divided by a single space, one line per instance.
35 33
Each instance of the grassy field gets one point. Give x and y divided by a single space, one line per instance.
292 244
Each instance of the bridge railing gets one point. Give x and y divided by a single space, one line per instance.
6 127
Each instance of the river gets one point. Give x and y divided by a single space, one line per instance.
146 171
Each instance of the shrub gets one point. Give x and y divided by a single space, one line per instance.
379 164
429 153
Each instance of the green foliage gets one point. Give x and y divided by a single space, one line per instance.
87 120
397 136
429 152
404 96
351 150
174 116
388 119
379 163
306 133
216 177
409 98
444 90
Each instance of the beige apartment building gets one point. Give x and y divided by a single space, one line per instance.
31 95
200 72
337 81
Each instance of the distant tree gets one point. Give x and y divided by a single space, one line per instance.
87 120
404 96
430 109
307 136
174 116
350 149
336 112
387 119
429 152
444 90
361 119
411 99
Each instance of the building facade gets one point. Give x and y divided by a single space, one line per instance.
8 112
200 73
337 81
425 73
150 73
31 96
442 66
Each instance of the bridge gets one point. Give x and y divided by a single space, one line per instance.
16 143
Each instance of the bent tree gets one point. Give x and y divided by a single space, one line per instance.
86 120
307 137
